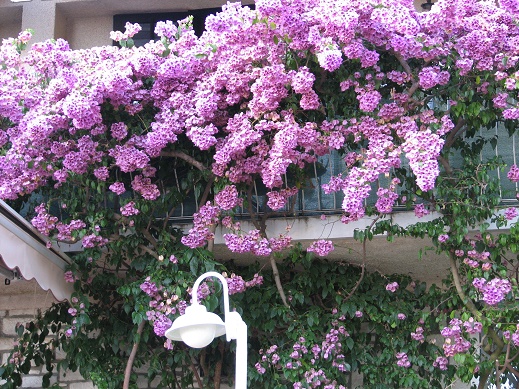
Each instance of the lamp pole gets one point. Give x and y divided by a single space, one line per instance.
197 327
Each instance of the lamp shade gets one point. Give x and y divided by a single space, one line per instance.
196 327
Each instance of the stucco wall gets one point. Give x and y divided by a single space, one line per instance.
21 302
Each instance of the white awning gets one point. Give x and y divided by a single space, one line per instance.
23 247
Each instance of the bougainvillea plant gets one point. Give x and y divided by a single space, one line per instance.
103 146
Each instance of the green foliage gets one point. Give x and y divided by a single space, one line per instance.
322 293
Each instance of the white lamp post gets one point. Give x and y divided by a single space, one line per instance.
197 328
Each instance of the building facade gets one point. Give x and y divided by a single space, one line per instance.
86 24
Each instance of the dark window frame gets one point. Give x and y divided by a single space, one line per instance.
151 19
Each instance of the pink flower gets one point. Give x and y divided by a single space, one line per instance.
513 173
441 363
392 287
321 247
129 209
227 198
420 210
402 360
443 238
511 213
118 188
69 276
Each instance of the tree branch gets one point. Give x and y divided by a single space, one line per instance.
279 286
457 283
195 373
218 368
207 190
458 128
189 159
131 358
446 165
249 208
415 85
478 315
363 266
149 237
149 251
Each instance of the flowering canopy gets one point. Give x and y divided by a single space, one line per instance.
113 139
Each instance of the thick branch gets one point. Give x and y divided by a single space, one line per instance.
453 134
409 71
249 208
477 315
219 365
189 159
207 190
404 63
149 251
210 242
275 272
131 358
261 226
149 237
203 362
483 378
195 373
457 283
363 266
446 165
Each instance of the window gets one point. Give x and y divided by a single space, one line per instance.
148 21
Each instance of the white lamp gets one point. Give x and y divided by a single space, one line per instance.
197 328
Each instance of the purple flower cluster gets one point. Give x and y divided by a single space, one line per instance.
392 287
307 356
43 221
129 209
278 199
162 305
474 258
321 247
145 187
200 233
432 76
387 197
511 213
118 188
93 240
237 284
418 334
65 230
420 210
119 130
455 341
494 291
441 363
513 173
422 148
443 238
403 360
228 198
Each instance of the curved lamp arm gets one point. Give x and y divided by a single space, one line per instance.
223 281
235 328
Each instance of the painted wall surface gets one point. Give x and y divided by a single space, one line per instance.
86 23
